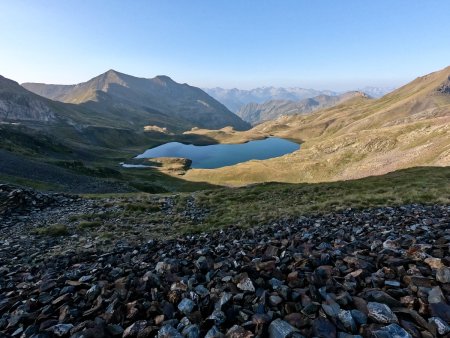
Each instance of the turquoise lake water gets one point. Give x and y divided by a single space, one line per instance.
221 155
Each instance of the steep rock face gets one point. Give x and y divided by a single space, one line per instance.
158 101
15 109
255 113
17 104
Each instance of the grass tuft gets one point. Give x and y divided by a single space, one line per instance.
53 230
89 225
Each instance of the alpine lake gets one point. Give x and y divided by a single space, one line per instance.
220 155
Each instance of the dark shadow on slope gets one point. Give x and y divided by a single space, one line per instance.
85 161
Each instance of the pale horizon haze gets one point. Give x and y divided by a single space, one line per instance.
335 45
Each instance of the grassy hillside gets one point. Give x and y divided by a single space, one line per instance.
362 137
264 203
407 128
35 158
255 113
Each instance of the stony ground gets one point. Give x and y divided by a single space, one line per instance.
375 273
14 165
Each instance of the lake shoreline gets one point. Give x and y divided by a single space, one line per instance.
221 155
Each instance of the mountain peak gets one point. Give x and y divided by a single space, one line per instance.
157 101
164 78
111 73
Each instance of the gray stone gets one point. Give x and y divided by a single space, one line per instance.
281 329
60 329
275 300
237 331
202 263
162 267
218 317
201 291
168 331
392 283
115 330
443 275
134 329
214 332
441 326
93 292
346 318
246 284
381 313
359 317
191 331
391 331
331 309
186 306
435 295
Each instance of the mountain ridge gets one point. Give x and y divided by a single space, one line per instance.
160 99
256 113
235 98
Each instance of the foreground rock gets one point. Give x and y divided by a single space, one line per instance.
15 200
376 273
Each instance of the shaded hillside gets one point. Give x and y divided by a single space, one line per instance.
138 101
361 137
18 104
74 147
72 125
255 113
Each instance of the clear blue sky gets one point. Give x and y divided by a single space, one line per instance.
230 43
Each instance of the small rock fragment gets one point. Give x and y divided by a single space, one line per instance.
168 331
186 306
392 330
442 327
381 313
281 329
237 331
246 284
443 275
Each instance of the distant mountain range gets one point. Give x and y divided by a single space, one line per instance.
376 92
234 99
137 102
255 113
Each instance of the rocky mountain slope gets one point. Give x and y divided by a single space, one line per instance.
235 98
138 101
360 137
18 104
33 116
255 113
378 272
